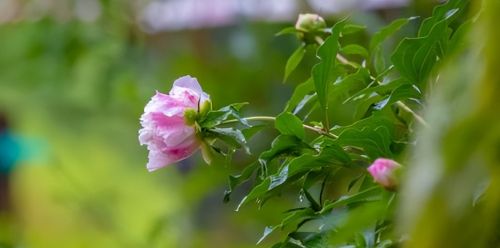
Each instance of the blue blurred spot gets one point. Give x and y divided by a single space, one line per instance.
10 151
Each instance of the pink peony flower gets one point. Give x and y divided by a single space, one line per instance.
384 171
165 130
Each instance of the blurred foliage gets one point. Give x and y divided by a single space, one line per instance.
78 88
452 187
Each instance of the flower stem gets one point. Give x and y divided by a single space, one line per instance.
273 119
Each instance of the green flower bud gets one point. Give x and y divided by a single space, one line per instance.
205 107
190 116
308 23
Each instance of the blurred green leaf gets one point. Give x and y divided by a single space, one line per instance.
294 61
447 11
352 28
355 49
403 92
385 32
287 30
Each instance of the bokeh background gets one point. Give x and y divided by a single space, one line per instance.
74 78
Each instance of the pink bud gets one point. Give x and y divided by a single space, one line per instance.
165 131
384 172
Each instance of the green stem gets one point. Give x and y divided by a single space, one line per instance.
273 119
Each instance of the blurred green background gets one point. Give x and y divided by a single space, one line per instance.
73 86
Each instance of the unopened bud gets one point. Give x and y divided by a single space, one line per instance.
190 116
310 23
384 172
205 107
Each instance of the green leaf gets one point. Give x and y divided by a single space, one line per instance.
381 89
415 57
355 49
302 96
283 145
256 192
289 124
267 231
350 83
251 131
374 135
310 239
352 28
459 38
235 181
294 61
447 11
287 30
366 195
325 72
403 92
330 155
217 117
313 203
385 32
378 59
230 136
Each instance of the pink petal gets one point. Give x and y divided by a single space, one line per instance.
168 156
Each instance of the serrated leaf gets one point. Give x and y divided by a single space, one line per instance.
294 61
289 124
355 50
